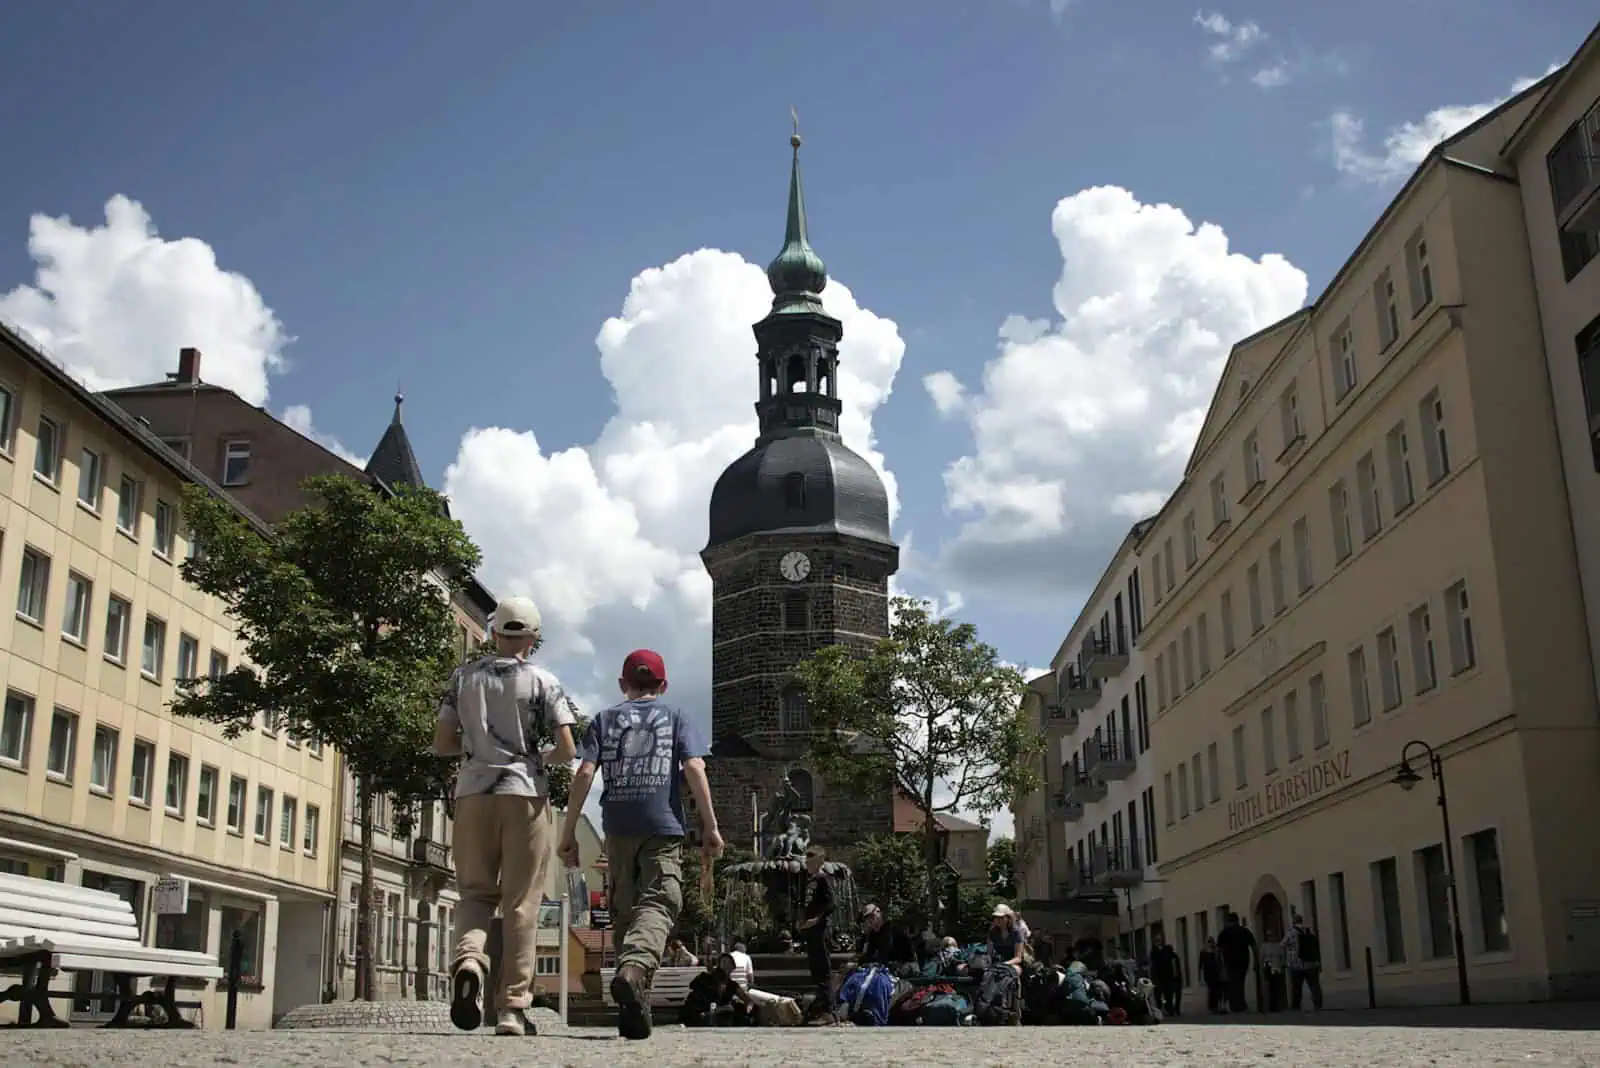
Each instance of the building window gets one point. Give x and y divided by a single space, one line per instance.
166 529
177 783
33 589
1435 441
1458 617
205 803
1254 475
1161 680
62 758
119 618
236 788
1188 659
1252 577
75 619
1219 501
155 646
1301 536
1387 305
391 942
1402 487
188 657
1289 417
181 446
219 666
1229 644
1169 800
1275 580
796 610
1269 741
16 729
1241 770
1424 662
1202 638
794 714
1155 563
1341 920
103 761
1371 503
236 463
1183 790
8 420
1199 785
547 964
129 492
794 492
1360 695
1141 702
1191 542
312 827
90 479
246 919
1214 771
1434 904
1147 804
1317 697
1291 725
1308 904
1344 361
1574 169
263 813
187 932
47 450
1389 684
288 814
1420 272
141 771
1386 898
1489 900
1339 508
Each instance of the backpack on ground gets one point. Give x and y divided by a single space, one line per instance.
997 995
866 996
948 1008
1307 947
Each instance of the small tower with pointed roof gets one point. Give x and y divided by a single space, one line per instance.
393 462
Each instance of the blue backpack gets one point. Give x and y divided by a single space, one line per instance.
866 995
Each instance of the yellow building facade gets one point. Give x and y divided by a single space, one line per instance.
1372 548
100 784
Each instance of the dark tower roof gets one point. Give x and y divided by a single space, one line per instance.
393 462
800 478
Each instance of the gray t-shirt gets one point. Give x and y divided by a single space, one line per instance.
639 747
507 710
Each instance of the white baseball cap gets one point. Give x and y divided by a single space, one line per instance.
515 616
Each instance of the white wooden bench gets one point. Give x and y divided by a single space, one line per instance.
669 987
48 927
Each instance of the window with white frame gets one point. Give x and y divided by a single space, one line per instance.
91 479
263 813
1343 348
1458 616
236 803
311 828
166 540
1424 660
177 798
1214 771
1291 725
1254 473
75 617
103 760
1229 643
288 815
1191 542
1435 439
205 800
1402 484
8 419
1202 641
188 656
1183 790
33 586
1387 305
16 729
155 646
1317 698
130 492
1339 509
1304 578
1419 269
236 463
1241 769
119 622
47 450
61 759
141 772
1367 490
1219 501
1289 416
1252 581
1275 579
1389 685
1269 740
1360 694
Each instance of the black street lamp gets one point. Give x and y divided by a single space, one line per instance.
1406 778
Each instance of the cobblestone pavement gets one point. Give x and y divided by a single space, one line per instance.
1214 1045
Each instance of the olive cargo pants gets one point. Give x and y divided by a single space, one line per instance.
503 844
646 877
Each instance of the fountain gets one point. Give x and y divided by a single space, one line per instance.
766 896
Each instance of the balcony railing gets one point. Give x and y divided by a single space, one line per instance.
1078 692
430 853
1054 716
1118 864
1087 790
1105 656
1064 809
1109 757
1078 880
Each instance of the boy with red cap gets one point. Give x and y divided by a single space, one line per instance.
640 746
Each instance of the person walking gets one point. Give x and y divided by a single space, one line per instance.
1304 953
640 746
1166 974
815 933
1237 946
508 720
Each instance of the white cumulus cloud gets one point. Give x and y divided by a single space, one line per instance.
1084 421
1406 145
115 301
297 417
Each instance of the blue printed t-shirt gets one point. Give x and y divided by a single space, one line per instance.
640 747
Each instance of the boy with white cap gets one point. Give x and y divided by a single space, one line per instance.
508 719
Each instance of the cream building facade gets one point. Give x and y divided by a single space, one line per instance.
99 784
1376 524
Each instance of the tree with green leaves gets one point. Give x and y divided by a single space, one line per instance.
930 709
348 638
1003 867
889 872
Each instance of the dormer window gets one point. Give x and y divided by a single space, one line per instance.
794 492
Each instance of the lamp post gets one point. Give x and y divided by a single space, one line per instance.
1406 777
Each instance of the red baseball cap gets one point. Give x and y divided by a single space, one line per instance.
645 666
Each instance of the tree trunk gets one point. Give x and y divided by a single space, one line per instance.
931 858
366 965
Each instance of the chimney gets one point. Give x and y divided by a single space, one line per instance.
188 366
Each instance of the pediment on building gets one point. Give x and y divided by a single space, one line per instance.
1247 362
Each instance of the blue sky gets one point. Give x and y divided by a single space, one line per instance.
455 198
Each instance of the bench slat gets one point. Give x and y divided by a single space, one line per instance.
49 890
16 945
45 921
120 912
85 962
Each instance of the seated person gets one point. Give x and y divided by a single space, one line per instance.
878 943
1006 944
715 1000
741 959
677 955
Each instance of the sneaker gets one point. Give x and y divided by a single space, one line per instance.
515 1022
466 1000
628 990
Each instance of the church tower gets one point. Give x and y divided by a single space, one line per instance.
799 556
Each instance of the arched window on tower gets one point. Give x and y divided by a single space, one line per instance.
804 788
794 715
796 373
794 492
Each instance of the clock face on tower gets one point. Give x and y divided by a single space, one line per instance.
795 566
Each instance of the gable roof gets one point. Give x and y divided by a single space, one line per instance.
1247 361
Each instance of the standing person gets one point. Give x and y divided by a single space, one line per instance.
1166 973
1236 945
1304 952
640 746
815 935
498 714
1212 975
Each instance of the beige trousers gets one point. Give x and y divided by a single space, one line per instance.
503 845
646 880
